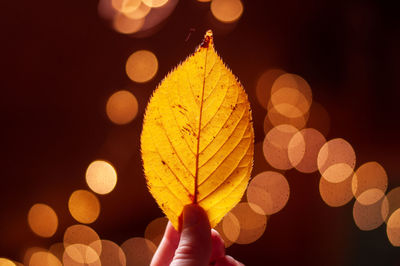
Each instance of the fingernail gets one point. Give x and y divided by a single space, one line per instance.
191 214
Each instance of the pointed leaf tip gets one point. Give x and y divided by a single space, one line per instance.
208 39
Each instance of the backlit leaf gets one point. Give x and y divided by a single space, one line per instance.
197 139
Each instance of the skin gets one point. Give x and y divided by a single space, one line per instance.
196 245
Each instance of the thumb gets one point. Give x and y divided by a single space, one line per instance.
194 247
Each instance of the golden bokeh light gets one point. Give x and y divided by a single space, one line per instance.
393 228
303 149
101 177
335 194
139 251
292 93
319 118
264 85
368 176
276 118
227 11
84 206
42 220
219 228
268 192
335 151
111 253
82 234
127 25
57 249
139 13
29 253
6 262
338 172
155 230
275 146
122 107
393 198
370 209
125 6
44 258
231 227
290 102
79 254
155 3
252 224
141 66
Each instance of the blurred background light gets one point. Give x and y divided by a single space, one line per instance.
155 230
335 151
44 258
101 177
335 194
370 209
84 206
393 197
303 149
125 6
42 220
127 25
275 146
369 176
393 228
111 254
227 11
155 3
122 107
252 224
264 85
141 66
6 262
139 251
268 192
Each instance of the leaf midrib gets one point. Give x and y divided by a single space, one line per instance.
196 175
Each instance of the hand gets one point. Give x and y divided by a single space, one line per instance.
196 245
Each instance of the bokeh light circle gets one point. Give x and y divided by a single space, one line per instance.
84 206
393 197
155 3
125 6
127 25
111 253
338 172
44 258
303 149
264 85
252 224
155 230
393 228
42 220
82 234
275 146
231 227
141 66
6 262
101 177
139 251
227 11
335 151
370 209
368 176
268 192
122 107
81 254
335 194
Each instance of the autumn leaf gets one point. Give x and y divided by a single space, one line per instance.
197 141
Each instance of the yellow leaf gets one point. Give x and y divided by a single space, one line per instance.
197 139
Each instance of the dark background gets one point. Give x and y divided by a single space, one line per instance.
60 62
